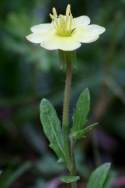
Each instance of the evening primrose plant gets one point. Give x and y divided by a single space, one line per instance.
67 34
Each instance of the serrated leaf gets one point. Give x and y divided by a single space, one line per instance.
83 132
52 127
69 179
81 112
99 177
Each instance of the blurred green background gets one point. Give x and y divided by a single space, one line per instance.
28 73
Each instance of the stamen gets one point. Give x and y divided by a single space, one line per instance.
54 12
62 23
51 16
68 10
71 20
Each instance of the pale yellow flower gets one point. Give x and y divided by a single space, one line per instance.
65 32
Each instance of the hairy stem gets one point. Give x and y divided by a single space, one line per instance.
67 93
68 148
65 121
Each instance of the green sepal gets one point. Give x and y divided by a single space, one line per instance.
67 57
69 179
83 132
81 112
100 177
52 127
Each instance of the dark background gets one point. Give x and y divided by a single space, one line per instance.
28 73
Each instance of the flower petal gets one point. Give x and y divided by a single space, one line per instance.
40 37
81 20
62 43
35 38
88 33
96 29
41 28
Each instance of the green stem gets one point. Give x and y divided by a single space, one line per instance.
73 169
65 121
67 93
68 148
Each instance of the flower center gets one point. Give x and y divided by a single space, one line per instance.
63 23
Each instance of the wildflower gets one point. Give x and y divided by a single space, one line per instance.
65 32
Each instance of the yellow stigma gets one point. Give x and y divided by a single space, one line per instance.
63 23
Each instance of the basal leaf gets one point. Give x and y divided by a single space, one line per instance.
69 179
99 177
52 127
81 112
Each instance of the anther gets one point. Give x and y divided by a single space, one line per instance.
54 12
68 10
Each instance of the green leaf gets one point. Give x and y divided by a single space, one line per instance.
99 177
69 179
81 112
52 127
83 132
